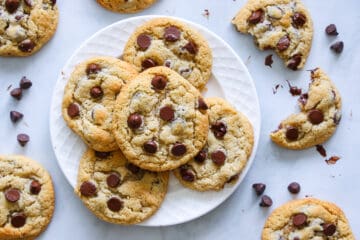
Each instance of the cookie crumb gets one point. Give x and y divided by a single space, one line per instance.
332 160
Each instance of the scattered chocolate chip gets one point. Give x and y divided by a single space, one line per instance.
150 146
266 201
28 3
26 45
12 5
16 93
113 180
294 188
143 41
202 104
159 82
292 133
18 220
283 43
25 83
92 68
115 204
256 16
102 155
268 60
201 156
206 13
315 116
329 229
332 160
167 113
148 63
187 174
134 121
35 187
16 116
259 188
219 129
294 62
191 47
53 2
303 98
178 149
299 219
12 195
73 110
294 91
172 34
133 168
218 157
87 189
23 139
321 150
331 30
299 19
96 92
337 47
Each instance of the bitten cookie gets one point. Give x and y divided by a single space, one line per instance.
320 114
307 218
26 25
89 98
160 120
126 6
282 25
26 198
224 156
171 43
117 191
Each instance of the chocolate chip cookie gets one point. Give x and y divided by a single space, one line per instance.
282 25
320 114
224 156
26 198
89 99
117 191
26 25
126 6
307 218
171 43
160 120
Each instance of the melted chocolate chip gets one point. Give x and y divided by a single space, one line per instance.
53 2
178 149
96 92
134 121
92 68
150 147
218 157
268 60
202 104
294 188
115 204
18 220
266 201
337 47
25 83
133 168
148 63
299 220
12 5
73 110
191 47
159 82
187 174
292 133
219 129
283 43
167 113
294 62
16 93
35 187
26 45
172 34
256 16
12 195
299 19
87 189
303 98
259 188
201 156
329 229
315 116
102 155
23 139
331 30
15 116
143 41
113 180
294 91
233 178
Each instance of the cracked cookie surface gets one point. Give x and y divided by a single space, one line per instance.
26 198
26 25
89 98
307 219
160 122
226 152
126 6
171 43
117 191
320 114
282 25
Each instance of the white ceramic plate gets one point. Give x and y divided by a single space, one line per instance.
230 80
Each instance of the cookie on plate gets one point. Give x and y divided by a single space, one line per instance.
171 43
160 120
117 191
89 99
224 156
307 218
26 25
26 198
282 25
320 114
126 6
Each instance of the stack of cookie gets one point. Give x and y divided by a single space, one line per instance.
145 116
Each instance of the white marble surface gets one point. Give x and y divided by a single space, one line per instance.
240 216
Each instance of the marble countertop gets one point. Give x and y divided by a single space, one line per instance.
240 215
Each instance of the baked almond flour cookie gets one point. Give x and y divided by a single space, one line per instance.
160 120
117 191
282 25
26 25
126 6
171 43
320 114
89 98
307 219
26 198
224 156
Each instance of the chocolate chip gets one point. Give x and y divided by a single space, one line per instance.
143 41
219 129
16 116
294 62
87 189
321 150
202 104
218 157
191 47
268 60
102 155
299 19
12 195
115 204
159 82
35 187
18 17
294 91
337 47
299 220
150 147
178 149
28 3
23 139
12 5
266 201
233 178
25 83
73 110
167 113
294 188
92 68
18 220
167 63
292 133
148 63
303 98
201 156
172 34
259 188
315 116
187 174
16 93
329 229
26 45
96 92
53 2
256 16
337 117
133 168
283 43
331 30
134 121
113 180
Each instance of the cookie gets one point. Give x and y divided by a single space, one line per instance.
117 191
126 6
307 218
26 25
171 43
89 98
26 198
282 25
160 120
228 148
320 114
